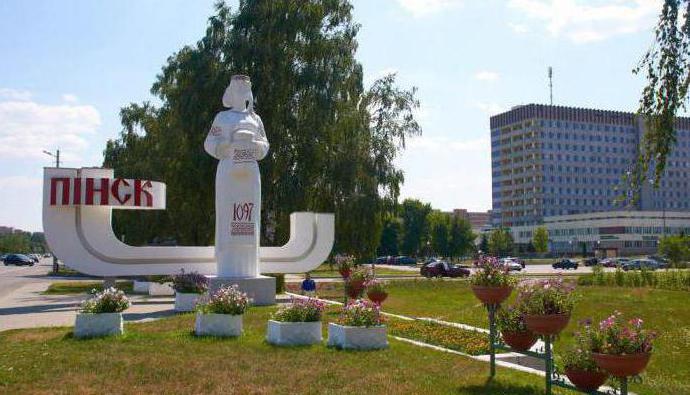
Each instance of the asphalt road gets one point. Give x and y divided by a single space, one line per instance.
15 277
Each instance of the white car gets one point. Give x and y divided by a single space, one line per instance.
511 264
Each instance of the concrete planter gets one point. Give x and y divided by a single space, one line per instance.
140 287
95 325
293 333
222 325
357 337
186 301
158 289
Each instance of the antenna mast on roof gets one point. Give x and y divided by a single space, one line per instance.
551 85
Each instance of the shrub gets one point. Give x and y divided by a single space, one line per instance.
579 355
361 313
617 336
192 282
226 300
511 319
491 273
300 310
110 300
544 297
674 280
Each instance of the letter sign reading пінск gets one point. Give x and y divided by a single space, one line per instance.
114 192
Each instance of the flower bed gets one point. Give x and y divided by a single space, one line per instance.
101 315
622 347
221 313
188 289
458 339
491 282
359 327
298 323
546 304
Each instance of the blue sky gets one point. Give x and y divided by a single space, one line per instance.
66 69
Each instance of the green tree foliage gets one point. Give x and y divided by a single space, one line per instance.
540 240
461 238
500 242
439 232
333 143
676 248
390 237
484 243
23 242
667 69
415 226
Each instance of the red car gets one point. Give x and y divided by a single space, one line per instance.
443 269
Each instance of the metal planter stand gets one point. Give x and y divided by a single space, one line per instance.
552 376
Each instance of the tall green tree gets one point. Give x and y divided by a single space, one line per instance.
676 248
390 237
15 242
501 242
461 237
414 216
333 142
484 243
439 232
667 69
540 240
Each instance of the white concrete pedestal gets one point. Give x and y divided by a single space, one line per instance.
261 289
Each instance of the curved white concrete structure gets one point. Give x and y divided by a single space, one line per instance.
82 236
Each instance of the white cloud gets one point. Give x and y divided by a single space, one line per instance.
70 98
518 28
28 127
436 145
489 108
14 94
422 8
583 22
486 75
371 78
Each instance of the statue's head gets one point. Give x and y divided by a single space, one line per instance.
238 95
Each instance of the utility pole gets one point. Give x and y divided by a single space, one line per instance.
551 85
55 155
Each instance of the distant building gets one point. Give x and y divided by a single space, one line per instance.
479 220
611 232
5 230
553 161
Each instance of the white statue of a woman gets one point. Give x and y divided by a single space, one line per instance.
237 138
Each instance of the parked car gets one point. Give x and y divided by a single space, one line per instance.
443 269
18 260
659 258
510 263
639 264
35 257
405 260
565 264
614 262
520 261
590 261
382 260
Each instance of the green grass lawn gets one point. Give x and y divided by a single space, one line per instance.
80 287
665 311
164 357
325 271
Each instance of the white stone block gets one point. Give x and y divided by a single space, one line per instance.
357 337
262 289
218 325
186 301
293 333
158 289
140 287
101 324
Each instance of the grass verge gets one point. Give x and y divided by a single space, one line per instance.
80 287
164 357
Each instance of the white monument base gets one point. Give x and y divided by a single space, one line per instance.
262 289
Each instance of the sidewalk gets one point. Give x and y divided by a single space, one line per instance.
27 307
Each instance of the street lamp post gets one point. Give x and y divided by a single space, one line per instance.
55 155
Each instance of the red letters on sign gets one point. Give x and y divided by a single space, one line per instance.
139 190
115 190
242 211
53 190
102 191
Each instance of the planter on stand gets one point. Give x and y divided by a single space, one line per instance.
547 325
585 380
357 337
98 324
222 325
185 302
293 333
520 341
354 288
491 295
622 365
377 297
